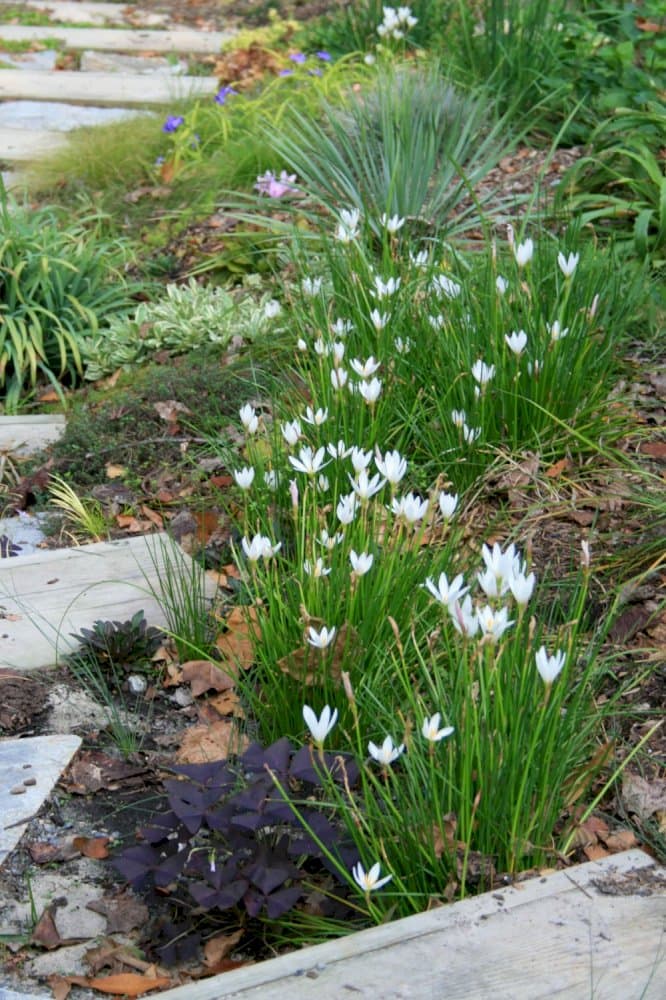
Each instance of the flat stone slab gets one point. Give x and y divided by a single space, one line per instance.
184 40
41 759
82 12
120 62
596 930
20 145
52 116
132 90
24 435
46 596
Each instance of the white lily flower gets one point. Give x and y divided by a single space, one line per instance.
523 253
447 593
339 450
567 265
369 881
516 341
341 327
403 346
501 284
320 727
392 224
365 369
370 390
322 348
317 569
393 467
522 587
249 418
464 617
447 505
323 482
360 459
549 666
330 541
244 477
301 345
272 309
447 286
291 432
308 461
271 479
339 378
338 352
410 508
493 623
482 373
321 639
384 289
378 320
315 418
259 548
387 753
361 563
431 731
535 368
471 434
311 286
346 509
555 330
365 487
458 417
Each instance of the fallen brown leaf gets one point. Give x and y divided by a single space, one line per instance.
204 675
115 471
621 840
96 848
558 468
227 703
238 641
152 515
60 987
93 770
219 947
123 912
169 409
641 797
129 984
201 744
45 853
45 932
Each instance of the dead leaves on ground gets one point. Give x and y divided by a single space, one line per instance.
216 741
595 839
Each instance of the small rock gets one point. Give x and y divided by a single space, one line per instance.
30 781
137 684
183 697
72 710
17 790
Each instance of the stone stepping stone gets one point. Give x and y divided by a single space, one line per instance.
595 930
46 596
20 145
25 435
82 12
30 767
55 116
121 40
132 90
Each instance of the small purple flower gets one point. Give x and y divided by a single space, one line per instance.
324 56
286 72
173 123
297 57
223 93
159 161
275 187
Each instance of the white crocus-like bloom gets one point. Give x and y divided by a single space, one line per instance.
317 569
431 731
338 352
501 284
522 587
410 508
523 252
323 482
291 432
346 509
370 390
436 322
464 617
339 378
446 286
384 289
365 487
365 369
320 639
458 417
330 541
387 753
392 224
503 563
311 286
244 477
403 346
392 466
549 666
347 229
301 345
320 727
516 341
272 309
309 461
448 503
339 450
315 417
535 368
369 881
321 347
555 330
378 320
249 418
259 548
341 327
493 623
361 563
419 259
360 459
482 372
567 265
447 593
271 479
471 434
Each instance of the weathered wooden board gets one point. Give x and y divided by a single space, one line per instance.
120 39
104 89
46 596
596 930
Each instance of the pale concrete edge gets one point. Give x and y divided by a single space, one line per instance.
574 879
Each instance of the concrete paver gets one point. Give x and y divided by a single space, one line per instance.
122 39
131 90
